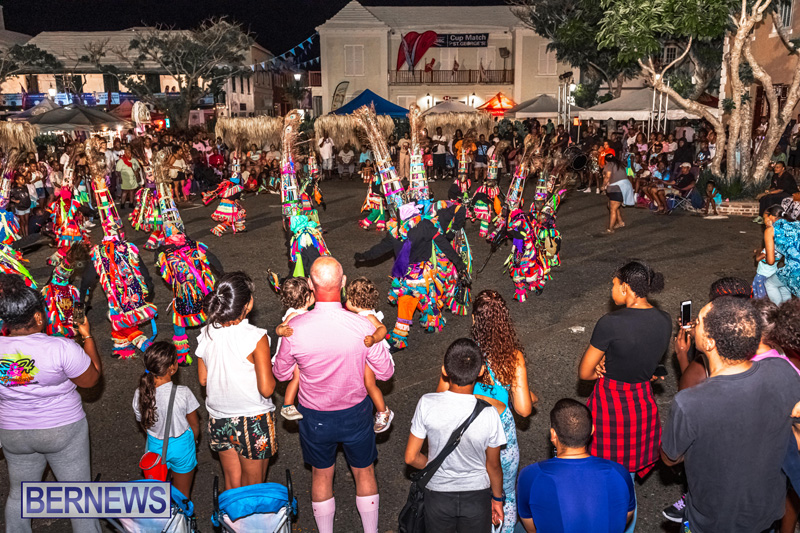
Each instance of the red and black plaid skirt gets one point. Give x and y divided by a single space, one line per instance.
627 427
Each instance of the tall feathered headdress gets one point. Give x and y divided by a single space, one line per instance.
390 182
170 216
418 183
290 195
112 222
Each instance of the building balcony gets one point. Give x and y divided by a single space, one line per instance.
451 77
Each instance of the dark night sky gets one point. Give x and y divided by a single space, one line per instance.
276 24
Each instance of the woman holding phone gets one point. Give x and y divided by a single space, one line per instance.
626 347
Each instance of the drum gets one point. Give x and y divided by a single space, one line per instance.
575 158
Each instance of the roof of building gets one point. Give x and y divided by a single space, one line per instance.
355 15
69 46
10 38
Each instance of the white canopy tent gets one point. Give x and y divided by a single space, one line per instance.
638 105
542 106
450 106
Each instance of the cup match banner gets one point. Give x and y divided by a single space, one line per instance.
462 40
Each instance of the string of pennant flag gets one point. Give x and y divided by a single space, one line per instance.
293 53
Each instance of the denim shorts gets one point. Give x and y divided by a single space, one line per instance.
322 431
181 452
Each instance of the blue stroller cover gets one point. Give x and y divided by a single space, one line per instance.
264 498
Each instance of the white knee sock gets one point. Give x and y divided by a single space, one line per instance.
323 515
368 509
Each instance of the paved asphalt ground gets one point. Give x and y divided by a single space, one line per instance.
554 329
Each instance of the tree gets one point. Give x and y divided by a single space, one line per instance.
571 26
634 29
199 60
20 59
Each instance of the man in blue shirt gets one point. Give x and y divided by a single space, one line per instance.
574 492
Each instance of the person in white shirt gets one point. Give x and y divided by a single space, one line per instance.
326 153
235 367
439 151
346 161
466 493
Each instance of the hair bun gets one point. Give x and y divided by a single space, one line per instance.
657 282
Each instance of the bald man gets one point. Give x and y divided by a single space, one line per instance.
327 346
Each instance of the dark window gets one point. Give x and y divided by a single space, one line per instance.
32 81
60 85
110 83
242 107
233 85
248 85
153 82
241 84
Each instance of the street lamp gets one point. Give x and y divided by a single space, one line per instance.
51 92
472 100
297 76
428 99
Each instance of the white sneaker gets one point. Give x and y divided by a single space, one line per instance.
383 420
598 190
587 190
290 412
89 224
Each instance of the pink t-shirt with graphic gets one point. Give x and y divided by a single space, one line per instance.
35 387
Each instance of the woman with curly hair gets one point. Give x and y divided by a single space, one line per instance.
504 384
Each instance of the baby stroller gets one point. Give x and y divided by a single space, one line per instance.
181 521
262 508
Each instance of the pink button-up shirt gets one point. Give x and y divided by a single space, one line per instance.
328 347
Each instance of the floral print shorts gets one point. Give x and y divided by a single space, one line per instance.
253 437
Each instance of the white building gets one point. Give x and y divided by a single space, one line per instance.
493 50
245 96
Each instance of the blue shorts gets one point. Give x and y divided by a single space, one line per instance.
321 432
181 453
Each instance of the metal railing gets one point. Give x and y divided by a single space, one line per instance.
450 77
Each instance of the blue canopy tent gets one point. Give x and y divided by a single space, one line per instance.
367 97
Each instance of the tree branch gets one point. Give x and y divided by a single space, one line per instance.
781 30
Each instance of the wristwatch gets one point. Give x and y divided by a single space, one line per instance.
501 499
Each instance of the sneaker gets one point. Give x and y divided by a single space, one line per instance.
675 512
290 412
598 190
587 190
383 420
89 224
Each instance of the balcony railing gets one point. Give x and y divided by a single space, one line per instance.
315 78
450 77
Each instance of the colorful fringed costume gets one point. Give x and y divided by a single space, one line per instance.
415 284
306 245
11 262
375 206
451 219
117 264
66 216
60 297
229 213
185 267
526 263
9 225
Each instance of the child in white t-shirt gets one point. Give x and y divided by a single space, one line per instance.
150 405
296 297
362 298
